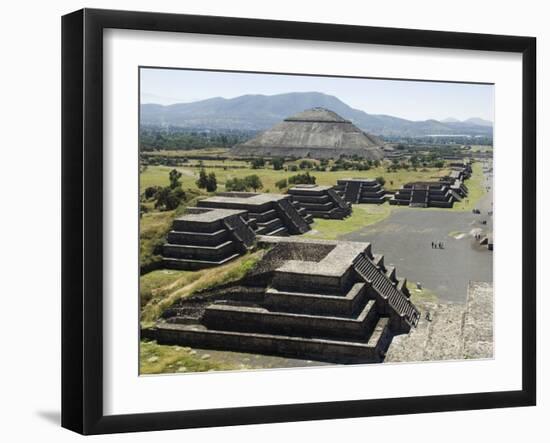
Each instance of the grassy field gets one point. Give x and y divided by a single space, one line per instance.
153 227
158 175
362 215
163 359
161 288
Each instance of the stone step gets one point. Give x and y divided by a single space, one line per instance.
279 232
214 253
196 226
270 225
334 351
255 319
197 238
187 264
311 303
321 206
317 199
263 216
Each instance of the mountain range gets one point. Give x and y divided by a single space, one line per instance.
260 112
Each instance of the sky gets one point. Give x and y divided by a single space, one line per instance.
413 100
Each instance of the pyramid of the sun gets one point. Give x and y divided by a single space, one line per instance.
316 133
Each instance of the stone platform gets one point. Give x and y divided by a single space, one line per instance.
203 238
425 195
450 331
323 300
269 214
320 201
361 190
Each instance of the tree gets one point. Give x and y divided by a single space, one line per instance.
301 179
254 182
281 183
306 164
168 198
257 163
277 163
211 182
202 182
381 180
175 179
150 192
235 184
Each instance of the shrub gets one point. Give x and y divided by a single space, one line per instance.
277 163
301 179
281 183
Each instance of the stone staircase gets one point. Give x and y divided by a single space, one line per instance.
419 197
397 302
352 191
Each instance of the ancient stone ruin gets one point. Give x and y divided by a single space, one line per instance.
268 214
203 238
425 195
320 201
361 190
316 133
330 301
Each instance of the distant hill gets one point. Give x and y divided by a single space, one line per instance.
260 112
479 121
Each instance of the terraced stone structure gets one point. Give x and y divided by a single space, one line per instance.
455 180
268 214
320 201
203 238
425 195
361 190
321 300
316 133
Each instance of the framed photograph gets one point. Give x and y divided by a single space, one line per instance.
270 221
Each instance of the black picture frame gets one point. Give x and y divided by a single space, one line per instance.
82 218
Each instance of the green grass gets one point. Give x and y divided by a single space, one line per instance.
160 289
153 227
361 216
156 359
158 175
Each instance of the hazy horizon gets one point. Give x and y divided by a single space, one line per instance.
412 100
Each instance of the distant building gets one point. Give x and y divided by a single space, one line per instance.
320 201
425 194
316 133
269 214
361 190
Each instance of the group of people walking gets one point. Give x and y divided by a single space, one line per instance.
438 245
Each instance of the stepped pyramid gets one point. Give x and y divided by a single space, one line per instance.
203 238
425 194
320 201
330 301
315 133
361 190
269 214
